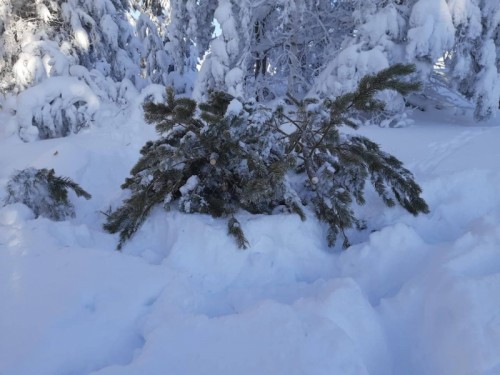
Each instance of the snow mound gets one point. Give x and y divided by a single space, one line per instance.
413 295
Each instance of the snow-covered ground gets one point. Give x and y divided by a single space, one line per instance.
413 295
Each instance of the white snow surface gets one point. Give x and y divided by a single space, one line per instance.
412 295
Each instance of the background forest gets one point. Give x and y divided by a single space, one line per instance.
110 50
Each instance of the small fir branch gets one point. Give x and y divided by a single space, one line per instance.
154 113
60 186
128 218
234 229
173 112
44 192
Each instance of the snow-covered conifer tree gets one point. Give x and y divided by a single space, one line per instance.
278 41
180 47
370 41
463 33
155 63
474 62
168 30
44 38
221 69
201 26
68 55
29 49
103 38
306 28
37 53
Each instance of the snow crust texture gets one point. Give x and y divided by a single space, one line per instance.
413 295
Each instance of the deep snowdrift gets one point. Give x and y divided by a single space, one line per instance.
411 296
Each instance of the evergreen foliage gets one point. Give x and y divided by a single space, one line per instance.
221 156
338 165
208 162
44 192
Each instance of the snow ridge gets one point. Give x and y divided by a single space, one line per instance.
413 295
